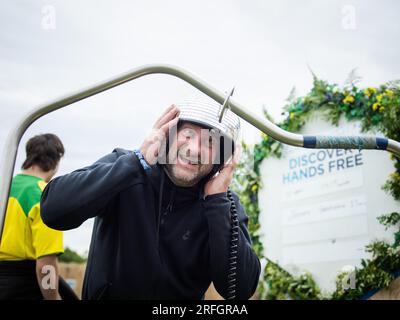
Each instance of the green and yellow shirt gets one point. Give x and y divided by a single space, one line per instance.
25 236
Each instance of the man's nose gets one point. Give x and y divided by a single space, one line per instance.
193 147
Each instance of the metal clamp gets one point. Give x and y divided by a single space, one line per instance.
225 105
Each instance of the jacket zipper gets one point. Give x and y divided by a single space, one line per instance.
168 209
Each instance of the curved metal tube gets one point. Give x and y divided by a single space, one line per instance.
266 126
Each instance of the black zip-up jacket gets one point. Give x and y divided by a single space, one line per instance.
141 249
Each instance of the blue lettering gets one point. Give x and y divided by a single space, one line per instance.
330 153
312 171
321 155
358 158
349 161
303 173
304 161
331 165
294 176
286 178
292 163
340 164
348 151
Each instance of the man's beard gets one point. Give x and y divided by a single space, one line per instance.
185 178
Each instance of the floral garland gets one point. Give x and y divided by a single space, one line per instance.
376 109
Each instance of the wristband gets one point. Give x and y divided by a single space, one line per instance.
142 160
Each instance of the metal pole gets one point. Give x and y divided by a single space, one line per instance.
266 126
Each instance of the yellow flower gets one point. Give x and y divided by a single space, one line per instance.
379 98
389 93
376 106
381 109
348 99
254 188
370 91
291 115
394 175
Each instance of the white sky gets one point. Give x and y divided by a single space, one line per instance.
261 47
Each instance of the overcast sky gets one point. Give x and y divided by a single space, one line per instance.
50 48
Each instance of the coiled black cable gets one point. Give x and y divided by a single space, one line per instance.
233 249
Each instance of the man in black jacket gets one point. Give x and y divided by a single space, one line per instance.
162 229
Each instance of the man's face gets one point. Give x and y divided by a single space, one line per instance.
191 155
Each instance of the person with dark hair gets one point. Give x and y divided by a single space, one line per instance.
44 152
29 249
166 223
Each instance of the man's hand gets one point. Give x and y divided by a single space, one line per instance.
151 146
220 182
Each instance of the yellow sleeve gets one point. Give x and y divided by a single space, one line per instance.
45 241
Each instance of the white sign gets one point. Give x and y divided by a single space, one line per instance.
319 207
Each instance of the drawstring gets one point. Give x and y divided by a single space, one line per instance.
159 207
169 206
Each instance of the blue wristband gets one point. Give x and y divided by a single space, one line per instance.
142 160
